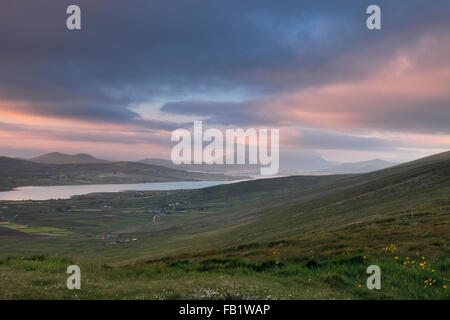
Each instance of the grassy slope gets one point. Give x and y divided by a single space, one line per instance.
316 206
322 231
16 172
312 266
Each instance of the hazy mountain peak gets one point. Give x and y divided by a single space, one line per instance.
61 158
357 167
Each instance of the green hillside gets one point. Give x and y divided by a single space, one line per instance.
291 238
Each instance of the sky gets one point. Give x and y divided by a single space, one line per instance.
140 69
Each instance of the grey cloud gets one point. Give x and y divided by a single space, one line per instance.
244 113
329 140
425 117
112 136
93 113
137 51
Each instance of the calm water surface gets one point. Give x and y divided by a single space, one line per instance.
65 192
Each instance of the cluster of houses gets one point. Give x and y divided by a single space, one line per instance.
110 236
174 206
123 241
171 207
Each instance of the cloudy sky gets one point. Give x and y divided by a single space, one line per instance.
139 69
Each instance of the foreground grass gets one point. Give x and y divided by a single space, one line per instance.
328 266
340 277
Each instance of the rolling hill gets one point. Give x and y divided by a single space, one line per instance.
61 158
276 208
213 168
356 167
289 165
16 172
298 237
279 208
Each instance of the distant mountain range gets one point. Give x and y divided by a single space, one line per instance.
217 168
61 158
305 164
18 172
330 167
289 164
356 167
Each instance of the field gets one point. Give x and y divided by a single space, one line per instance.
303 237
